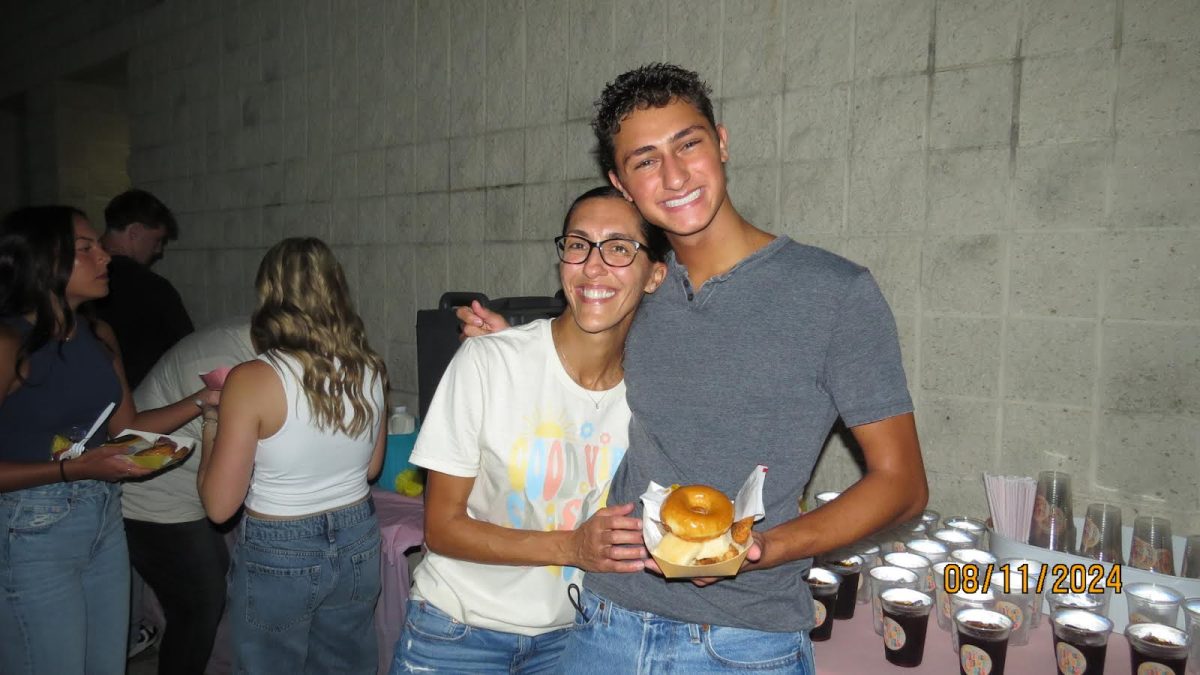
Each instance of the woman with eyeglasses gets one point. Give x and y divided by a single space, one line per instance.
521 441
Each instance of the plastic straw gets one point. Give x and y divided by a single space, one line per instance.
1010 500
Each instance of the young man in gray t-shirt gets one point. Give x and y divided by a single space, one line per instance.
751 350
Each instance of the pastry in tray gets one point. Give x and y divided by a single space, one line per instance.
150 453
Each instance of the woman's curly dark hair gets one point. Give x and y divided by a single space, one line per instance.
650 86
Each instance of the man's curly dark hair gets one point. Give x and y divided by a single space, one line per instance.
653 85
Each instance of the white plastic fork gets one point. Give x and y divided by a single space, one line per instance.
77 447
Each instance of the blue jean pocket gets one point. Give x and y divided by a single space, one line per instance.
366 574
278 598
432 623
34 516
590 606
741 648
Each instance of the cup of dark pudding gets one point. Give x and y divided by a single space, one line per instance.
848 569
982 641
823 584
1080 641
1156 648
905 622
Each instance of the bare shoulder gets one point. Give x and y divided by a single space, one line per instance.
251 374
105 333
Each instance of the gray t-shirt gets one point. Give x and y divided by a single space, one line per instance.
753 368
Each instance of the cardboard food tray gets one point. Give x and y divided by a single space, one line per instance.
725 568
184 448
747 504
1118 609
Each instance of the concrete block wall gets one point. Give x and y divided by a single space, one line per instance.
1020 175
92 138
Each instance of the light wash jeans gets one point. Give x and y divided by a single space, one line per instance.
64 574
608 638
302 593
432 641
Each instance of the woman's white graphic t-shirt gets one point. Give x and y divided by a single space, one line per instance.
542 451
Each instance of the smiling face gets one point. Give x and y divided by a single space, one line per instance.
670 162
89 275
602 297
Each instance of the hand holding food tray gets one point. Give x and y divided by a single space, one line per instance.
712 537
153 451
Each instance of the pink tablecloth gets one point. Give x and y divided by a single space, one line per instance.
855 649
401 525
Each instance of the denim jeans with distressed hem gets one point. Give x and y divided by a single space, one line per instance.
302 593
64 575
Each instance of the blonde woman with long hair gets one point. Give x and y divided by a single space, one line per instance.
300 432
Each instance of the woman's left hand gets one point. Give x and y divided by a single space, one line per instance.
609 541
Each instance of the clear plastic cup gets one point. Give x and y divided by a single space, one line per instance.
917 563
905 624
823 498
945 620
1030 571
1080 641
1097 603
1152 603
824 586
968 524
1052 526
1016 601
955 538
960 601
869 552
882 578
1102 533
930 518
982 641
1152 548
1155 648
849 570
934 551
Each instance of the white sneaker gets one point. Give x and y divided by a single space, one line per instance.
147 638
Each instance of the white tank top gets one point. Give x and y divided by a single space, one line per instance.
303 469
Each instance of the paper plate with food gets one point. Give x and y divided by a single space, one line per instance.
697 531
153 451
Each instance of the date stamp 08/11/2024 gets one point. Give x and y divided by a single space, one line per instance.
1057 579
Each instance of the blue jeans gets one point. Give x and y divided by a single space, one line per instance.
64 573
608 638
432 641
302 593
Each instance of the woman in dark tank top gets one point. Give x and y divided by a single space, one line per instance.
64 566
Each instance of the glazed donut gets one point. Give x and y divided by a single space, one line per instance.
696 512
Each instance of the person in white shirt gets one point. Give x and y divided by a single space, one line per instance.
172 544
300 434
521 441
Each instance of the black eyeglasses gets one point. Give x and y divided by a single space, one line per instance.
617 252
